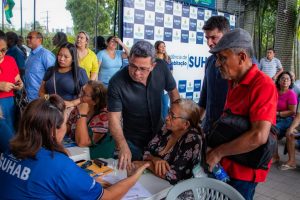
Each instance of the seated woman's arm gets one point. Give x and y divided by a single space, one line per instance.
82 137
118 190
287 113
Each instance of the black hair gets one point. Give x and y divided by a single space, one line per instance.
61 38
219 22
280 75
12 38
271 49
100 41
74 65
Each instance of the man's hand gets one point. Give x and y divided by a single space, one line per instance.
6 86
213 157
161 167
18 85
124 157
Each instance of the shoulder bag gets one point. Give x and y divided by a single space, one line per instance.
231 126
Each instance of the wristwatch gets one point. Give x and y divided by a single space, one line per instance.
81 115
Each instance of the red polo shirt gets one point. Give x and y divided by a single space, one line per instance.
255 96
8 72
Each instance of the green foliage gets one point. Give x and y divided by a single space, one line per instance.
265 24
84 15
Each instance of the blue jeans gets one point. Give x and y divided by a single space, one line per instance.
246 188
7 122
8 110
5 136
283 124
164 105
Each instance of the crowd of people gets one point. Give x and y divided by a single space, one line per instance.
124 112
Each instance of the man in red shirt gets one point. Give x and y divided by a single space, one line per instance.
251 93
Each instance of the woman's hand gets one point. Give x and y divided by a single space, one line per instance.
161 167
118 40
6 86
83 108
136 169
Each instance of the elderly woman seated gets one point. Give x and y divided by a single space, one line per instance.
173 152
88 122
37 165
286 106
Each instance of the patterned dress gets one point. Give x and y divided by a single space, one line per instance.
182 157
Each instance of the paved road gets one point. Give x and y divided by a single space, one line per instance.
281 185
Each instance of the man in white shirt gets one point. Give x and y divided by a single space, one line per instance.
270 65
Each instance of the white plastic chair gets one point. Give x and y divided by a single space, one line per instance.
205 189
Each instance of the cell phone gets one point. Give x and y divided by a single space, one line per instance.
100 163
17 83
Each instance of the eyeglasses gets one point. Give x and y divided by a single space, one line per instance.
3 51
141 69
173 116
285 79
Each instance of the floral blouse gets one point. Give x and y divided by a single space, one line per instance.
183 156
97 124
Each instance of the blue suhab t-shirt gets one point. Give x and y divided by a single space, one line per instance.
49 176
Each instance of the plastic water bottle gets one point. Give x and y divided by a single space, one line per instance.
198 171
220 173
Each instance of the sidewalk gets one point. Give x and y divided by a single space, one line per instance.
280 185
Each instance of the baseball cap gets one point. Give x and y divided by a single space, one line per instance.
237 38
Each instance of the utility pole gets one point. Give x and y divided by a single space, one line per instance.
34 10
46 20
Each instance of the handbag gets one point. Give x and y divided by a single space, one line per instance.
230 126
21 100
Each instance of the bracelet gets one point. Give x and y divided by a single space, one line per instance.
81 115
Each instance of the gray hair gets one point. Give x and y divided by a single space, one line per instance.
248 51
143 49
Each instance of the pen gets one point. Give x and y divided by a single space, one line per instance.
101 173
132 196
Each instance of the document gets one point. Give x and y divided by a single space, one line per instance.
136 192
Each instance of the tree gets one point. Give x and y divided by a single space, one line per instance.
84 15
265 24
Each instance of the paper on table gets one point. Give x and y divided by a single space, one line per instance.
137 191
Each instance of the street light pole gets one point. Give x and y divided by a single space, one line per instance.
34 7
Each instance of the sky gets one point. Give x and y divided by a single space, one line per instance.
58 16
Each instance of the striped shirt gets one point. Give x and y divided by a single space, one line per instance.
270 67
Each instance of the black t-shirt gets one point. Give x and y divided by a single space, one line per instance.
140 105
65 84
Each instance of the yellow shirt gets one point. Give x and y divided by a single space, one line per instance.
89 63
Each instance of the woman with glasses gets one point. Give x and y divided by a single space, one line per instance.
86 57
286 106
110 59
173 152
66 78
37 165
88 122
10 81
